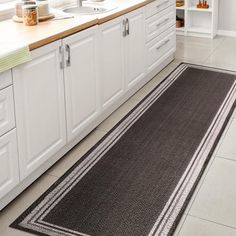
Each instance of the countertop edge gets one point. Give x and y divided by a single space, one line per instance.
63 34
38 40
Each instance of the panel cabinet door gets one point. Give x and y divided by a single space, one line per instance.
135 47
7 116
40 108
81 81
9 169
112 61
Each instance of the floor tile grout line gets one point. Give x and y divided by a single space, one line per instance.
213 51
53 175
204 60
211 221
226 158
101 131
185 217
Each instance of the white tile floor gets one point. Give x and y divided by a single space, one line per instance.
212 209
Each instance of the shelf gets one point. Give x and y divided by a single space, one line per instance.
180 8
195 29
199 22
193 8
181 29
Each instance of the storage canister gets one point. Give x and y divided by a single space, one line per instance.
30 15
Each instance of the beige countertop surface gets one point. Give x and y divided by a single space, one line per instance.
49 31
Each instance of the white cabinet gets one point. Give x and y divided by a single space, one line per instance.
122 55
111 58
160 22
158 48
9 170
135 47
40 108
7 117
5 79
157 6
81 81
161 35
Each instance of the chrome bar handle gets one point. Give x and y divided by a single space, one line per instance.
161 23
163 44
61 51
162 4
68 62
124 28
127 26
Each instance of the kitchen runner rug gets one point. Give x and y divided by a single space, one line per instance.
139 178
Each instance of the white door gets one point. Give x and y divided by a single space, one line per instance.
9 169
111 61
135 47
40 107
81 81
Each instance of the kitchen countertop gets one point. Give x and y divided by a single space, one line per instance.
49 31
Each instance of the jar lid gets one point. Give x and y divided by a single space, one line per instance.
32 6
29 2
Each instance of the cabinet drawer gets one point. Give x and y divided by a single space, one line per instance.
5 79
7 116
160 22
9 170
157 6
159 47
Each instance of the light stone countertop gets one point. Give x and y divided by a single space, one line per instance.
52 30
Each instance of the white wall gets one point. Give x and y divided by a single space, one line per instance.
227 15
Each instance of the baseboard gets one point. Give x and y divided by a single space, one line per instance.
226 33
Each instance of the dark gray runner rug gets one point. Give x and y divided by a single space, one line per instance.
139 178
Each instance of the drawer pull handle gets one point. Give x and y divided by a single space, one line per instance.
161 23
162 4
163 44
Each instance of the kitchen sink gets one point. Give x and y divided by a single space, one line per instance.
89 10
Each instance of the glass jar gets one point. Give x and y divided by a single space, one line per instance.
43 7
30 15
19 5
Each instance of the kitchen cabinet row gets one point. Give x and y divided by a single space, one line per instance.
72 84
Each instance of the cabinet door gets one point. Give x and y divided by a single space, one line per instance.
112 61
135 47
7 117
81 81
5 79
9 170
40 108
